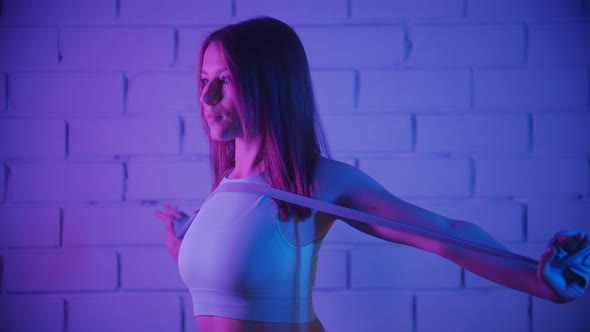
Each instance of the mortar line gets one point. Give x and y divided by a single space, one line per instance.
6 91
125 92
182 134
349 9
66 316
117 9
176 36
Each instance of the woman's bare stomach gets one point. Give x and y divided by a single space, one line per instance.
223 324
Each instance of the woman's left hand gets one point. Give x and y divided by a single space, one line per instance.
565 265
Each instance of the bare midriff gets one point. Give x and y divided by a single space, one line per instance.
217 324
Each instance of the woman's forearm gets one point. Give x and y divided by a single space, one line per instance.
511 273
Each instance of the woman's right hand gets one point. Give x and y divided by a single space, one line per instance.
168 216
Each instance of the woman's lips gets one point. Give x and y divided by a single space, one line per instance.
213 116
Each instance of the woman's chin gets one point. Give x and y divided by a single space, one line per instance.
221 137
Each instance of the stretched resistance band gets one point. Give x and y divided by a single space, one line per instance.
347 213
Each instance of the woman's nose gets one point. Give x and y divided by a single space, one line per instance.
212 92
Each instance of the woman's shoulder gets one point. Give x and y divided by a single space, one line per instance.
327 168
341 178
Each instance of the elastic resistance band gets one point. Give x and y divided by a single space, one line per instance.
347 213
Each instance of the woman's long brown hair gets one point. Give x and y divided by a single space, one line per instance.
271 76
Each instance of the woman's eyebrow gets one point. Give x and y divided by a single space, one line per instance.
204 72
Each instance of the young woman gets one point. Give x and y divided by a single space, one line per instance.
248 260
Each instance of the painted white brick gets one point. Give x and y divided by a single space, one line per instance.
112 226
531 177
403 89
503 220
383 10
524 88
124 312
190 324
161 180
304 11
546 217
559 44
553 46
401 267
468 45
28 47
70 182
117 48
124 136
473 281
58 11
175 11
472 133
195 139
334 91
551 317
65 92
524 9
559 133
163 92
332 269
31 313
60 270
368 133
352 46
376 311
472 311
149 269
29 227
421 177
26 138
189 41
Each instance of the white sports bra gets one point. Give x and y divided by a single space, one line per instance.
237 262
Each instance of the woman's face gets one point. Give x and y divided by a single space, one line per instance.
218 96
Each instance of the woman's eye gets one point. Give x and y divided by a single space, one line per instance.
224 79
204 81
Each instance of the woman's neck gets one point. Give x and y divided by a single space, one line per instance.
246 152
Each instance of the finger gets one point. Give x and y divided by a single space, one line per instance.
582 243
576 243
563 238
579 279
548 256
164 217
564 235
176 214
545 267
583 270
569 241
579 257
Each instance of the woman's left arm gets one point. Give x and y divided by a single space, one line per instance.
544 280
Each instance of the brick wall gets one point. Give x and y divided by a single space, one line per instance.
476 109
